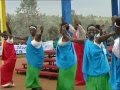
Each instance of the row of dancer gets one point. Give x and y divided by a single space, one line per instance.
95 67
95 64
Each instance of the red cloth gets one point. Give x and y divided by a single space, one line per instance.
79 48
9 58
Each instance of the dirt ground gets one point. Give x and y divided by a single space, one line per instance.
47 84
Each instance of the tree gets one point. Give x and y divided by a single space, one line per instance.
28 7
53 32
26 14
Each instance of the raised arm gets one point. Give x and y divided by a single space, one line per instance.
82 32
104 37
8 28
39 34
68 38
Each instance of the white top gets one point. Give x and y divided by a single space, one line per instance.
36 44
80 33
71 28
101 45
116 47
61 43
10 40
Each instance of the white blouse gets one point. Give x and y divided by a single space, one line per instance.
10 40
36 44
116 47
60 42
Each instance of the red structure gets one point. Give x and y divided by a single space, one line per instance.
49 69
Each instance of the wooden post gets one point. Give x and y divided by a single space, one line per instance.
2 19
3 15
114 4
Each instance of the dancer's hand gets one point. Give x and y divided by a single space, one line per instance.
41 29
63 31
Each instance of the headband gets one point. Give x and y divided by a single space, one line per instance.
91 27
32 27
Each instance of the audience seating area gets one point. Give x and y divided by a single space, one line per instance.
49 69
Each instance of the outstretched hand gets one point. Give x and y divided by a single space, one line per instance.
39 35
76 21
41 29
63 30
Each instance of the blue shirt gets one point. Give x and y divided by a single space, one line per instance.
65 55
35 56
95 62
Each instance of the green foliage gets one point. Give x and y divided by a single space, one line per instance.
53 32
28 7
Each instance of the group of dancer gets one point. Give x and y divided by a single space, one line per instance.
81 57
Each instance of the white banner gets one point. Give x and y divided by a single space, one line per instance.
21 49
48 45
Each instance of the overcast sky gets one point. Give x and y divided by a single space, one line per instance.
53 7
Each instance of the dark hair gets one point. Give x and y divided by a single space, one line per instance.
97 26
5 35
67 28
63 23
90 26
117 20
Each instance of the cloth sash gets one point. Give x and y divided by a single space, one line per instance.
65 55
35 56
95 62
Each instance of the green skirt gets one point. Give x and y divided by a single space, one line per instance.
66 78
98 82
32 77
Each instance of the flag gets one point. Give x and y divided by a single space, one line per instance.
66 11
